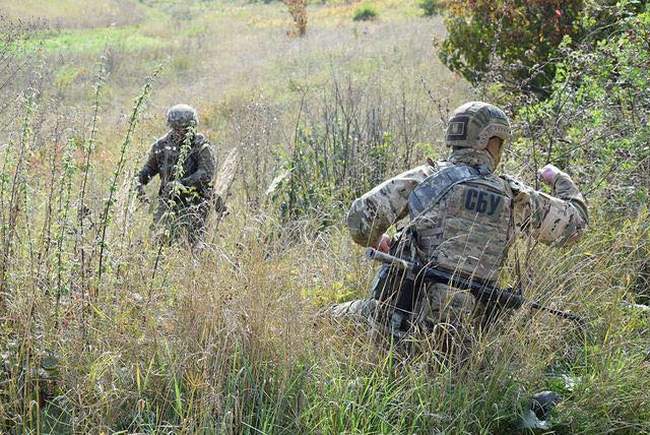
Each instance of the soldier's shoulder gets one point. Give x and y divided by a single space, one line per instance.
161 142
514 183
203 144
433 166
421 172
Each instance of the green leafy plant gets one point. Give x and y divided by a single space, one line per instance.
600 90
365 12
431 7
524 34
349 147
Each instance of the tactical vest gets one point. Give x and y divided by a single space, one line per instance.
461 219
168 155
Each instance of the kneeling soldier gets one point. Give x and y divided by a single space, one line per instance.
463 219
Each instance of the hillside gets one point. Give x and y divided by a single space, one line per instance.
104 329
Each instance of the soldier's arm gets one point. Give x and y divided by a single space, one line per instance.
552 219
205 169
372 214
150 168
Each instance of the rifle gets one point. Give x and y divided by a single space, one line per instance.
481 290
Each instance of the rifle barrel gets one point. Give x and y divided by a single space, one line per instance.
483 291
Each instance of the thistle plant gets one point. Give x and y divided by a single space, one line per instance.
106 215
175 190
89 148
65 194
17 194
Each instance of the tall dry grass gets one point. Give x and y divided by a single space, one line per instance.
103 329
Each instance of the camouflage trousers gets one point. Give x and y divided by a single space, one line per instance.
447 316
181 221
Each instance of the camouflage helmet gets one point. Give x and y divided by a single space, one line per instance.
182 116
474 123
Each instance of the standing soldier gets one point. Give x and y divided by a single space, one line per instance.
185 162
463 219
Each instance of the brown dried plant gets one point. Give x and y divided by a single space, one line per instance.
298 12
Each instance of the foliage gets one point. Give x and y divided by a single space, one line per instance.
232 339
431 7
524 35
365 12
595 120
298 12
349 140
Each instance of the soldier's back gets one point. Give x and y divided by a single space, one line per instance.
462 219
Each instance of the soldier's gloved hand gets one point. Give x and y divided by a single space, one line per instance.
383 244
140 193
548 174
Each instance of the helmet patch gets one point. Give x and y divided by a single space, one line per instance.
473 123
457 129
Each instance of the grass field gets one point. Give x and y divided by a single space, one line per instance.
233 340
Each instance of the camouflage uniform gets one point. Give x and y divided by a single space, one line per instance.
185 189
467 228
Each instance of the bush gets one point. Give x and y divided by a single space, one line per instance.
365 13
349 140
431 7
298 12
525 34
596 117
517 44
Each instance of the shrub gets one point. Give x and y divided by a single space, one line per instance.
348 141
431 7
525 33
596 116
365 13
298 12
518 44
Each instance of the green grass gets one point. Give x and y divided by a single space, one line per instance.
92 41
365 12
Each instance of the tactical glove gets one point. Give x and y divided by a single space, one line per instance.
383 244
548 174
140 193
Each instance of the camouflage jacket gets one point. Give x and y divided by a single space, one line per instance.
198 168
551 219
